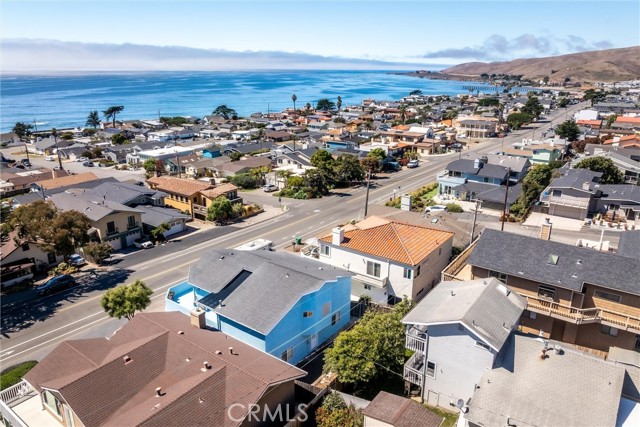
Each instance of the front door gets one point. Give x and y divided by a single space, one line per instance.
313 341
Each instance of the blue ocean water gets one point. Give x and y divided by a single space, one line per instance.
65 101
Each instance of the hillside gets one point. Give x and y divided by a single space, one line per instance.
602 65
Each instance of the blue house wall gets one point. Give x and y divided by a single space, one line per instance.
294 331
241 332
476 178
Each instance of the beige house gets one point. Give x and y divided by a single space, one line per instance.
21 261
111 222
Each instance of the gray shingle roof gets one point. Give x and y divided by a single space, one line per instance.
94 209
277 282
487 170
575 178
491 192
156 215
629 245
123 192
484 306
517 164
528 258
568 389
622 193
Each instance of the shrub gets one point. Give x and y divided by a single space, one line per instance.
62 268
13 375
454 208
244 180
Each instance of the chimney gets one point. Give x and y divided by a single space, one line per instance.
545 230
477 164
338 236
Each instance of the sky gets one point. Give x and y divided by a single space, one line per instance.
246 34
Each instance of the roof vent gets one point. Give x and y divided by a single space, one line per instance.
503 289
126 359
558 349
287 275
484 282
231 350
453 294
159 392
574 275
218 352
180 332
200 400
205 366
579 262
188 359
221 257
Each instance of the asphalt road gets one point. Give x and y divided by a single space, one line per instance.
33 326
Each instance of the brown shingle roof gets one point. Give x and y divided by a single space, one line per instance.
397 241
64 181
219 190
400 412
181 186
104 390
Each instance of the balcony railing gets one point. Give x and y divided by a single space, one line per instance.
413 369
131 226
111 232
15 392
416 340
576 202
583 315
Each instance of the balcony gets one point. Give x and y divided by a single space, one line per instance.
416 339
574 202
413 369
581 316
131 226
112 231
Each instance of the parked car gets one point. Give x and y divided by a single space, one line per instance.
142 244
413 163
269 188
50 158
81 159
25 163
56 284
76 260
88 164
435 208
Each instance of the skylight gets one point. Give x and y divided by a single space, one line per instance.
553 259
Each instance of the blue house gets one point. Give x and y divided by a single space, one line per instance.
283 305
211 152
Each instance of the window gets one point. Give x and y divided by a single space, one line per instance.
407 273
460 327
500 276
51 258
111 227
439 251
417 271
530 314
307 314
335 318
131 221
609 330
607 295
287 354
373 269
326 308
553 259
483 345
367 287
556 193
637 346
485 179
431 369
325 250
546 291
52 402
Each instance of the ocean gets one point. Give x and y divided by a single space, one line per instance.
64 101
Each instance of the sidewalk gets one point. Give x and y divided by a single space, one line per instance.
269 212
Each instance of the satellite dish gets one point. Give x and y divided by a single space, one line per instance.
459 403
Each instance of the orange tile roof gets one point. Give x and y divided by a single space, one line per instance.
627 119
397 241
589 122
172 185
219 190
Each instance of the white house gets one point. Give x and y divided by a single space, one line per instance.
391 260
456 332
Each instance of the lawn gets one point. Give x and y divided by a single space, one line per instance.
450 418
13 375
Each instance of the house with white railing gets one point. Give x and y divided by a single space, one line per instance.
577 295
456 333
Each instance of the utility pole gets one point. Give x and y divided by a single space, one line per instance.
475 216
54 132
178 165
506 194
366 199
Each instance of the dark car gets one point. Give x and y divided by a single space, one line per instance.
88 164
56 284
26 162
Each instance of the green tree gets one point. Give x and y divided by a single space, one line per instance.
325 104
416 92
125 300
347 170
323 160
235 156
22 130
69 231
226 112
517 120
119 139
339 103
568 130
93 119
220 210
149 165
334 412
371 163
98 251
451 115
244 180
610 173
610 120
403 113
315 183
378 153
174 121
158 232
563 102
533 107
489 102
111 113
534 183
373 346
294 98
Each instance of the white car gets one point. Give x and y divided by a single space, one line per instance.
269 188
50 158
435 208
413 163
140 244
81 159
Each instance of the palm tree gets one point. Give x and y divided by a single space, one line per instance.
111 113
93 119
403 113
294 98
339 103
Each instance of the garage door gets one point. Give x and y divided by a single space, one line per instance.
177 228
567 212
116 244
132 237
